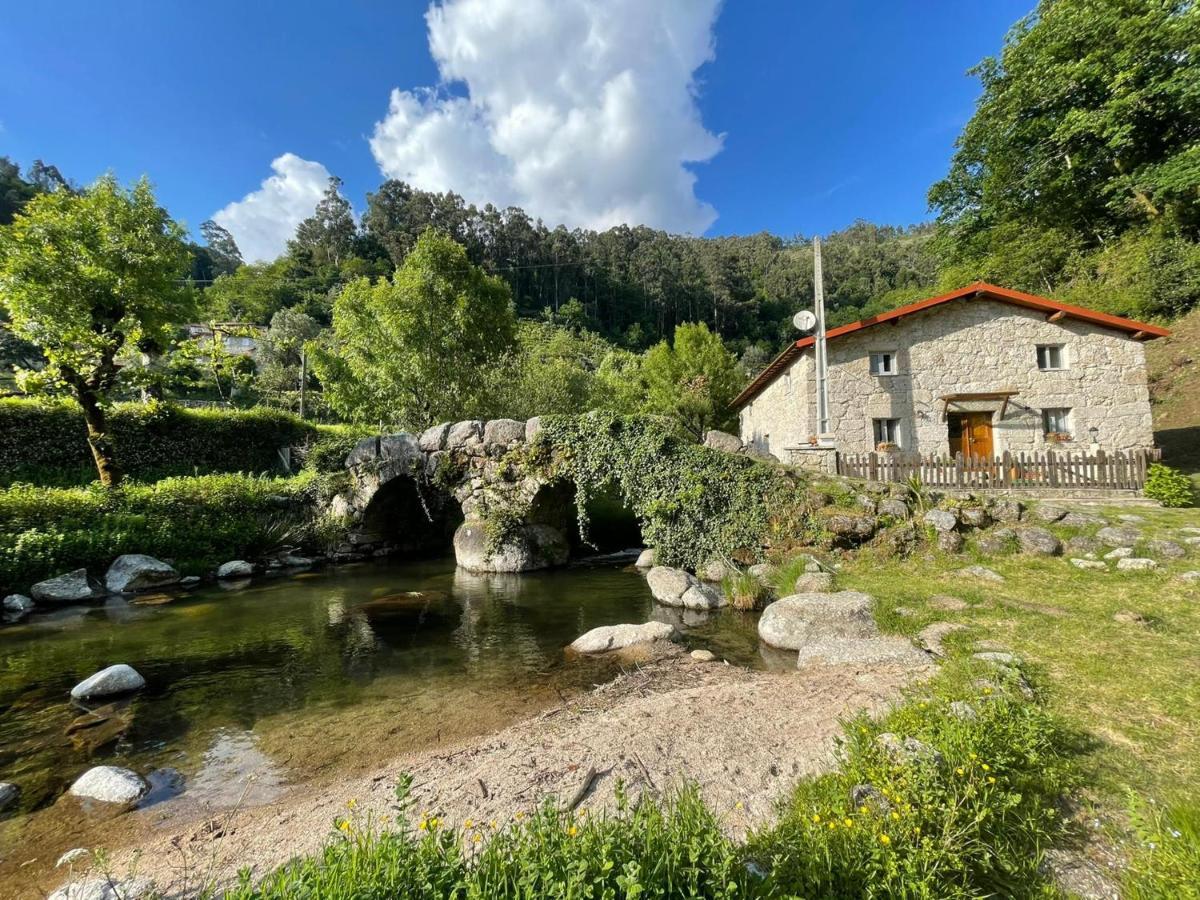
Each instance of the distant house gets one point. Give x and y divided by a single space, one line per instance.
238 338
977 372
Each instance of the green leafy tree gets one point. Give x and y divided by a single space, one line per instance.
417 349
281 355
327 236
83 276
222 248
694 380
1089 124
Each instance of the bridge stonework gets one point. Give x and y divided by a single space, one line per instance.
407 490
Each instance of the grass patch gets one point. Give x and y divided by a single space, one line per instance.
1166 865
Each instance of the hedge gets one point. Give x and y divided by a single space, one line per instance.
45 442
196 523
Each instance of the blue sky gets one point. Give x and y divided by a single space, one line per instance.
803 116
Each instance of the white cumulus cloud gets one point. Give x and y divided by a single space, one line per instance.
581 111
264 220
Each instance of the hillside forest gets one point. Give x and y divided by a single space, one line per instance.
1077 177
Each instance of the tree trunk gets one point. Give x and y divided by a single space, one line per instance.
98 438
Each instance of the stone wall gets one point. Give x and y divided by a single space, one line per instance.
968 346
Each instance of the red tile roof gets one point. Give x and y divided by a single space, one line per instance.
978 289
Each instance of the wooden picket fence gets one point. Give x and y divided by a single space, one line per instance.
1120 470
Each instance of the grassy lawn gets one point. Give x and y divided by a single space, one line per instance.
1132 687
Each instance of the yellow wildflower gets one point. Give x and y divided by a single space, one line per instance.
351 803
572 831
895 816
493 825
519 816
973 756
884 839
849 823
986 767
423 825
477 837
816 818
739 805
467 825
344 825
863 809
991 780
960 770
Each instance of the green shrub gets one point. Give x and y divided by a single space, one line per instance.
328 452
693 502
1166 864
195 522
45 442
1168 486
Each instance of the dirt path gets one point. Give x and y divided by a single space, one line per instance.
742 736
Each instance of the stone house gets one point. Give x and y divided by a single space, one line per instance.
979 371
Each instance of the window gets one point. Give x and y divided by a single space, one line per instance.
883 362
1051 357
887 431
1056 421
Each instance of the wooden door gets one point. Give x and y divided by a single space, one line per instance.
977 435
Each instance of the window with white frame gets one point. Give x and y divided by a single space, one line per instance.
883 362
887 431
1051 357
1056 421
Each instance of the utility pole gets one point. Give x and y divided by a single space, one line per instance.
819 343
303 378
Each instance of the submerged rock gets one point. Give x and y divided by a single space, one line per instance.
110 784
137 572
118 679
618 637
73 587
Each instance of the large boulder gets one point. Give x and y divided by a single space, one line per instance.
1038 542
675 587
1044 512
1166 549
645 559
1006 509
73 587
799 619
849 527
618 637
996 542
975 516
894 507
110 784
137 572
462 434
433 438
526 548
827 651
118 679
235 568
720 440
1119 536
503 432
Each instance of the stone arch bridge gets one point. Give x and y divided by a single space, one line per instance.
467 483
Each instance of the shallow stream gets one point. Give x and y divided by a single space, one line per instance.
255 686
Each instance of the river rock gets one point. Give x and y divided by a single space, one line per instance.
1119 536
1166 549
675 587
118 679
894 507
293 561
1136 564
949 541
942 519
720 440
73 587
1038 542
714 570
527 548
110 784
1046 513
799 619
645 559
1082 545
813 583
235 568
1082 520
1089 564
18 603
137 572
503 432
9 794
1119 553
618 637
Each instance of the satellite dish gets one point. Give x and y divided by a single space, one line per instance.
804 320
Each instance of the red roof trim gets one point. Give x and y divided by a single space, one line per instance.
980 288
